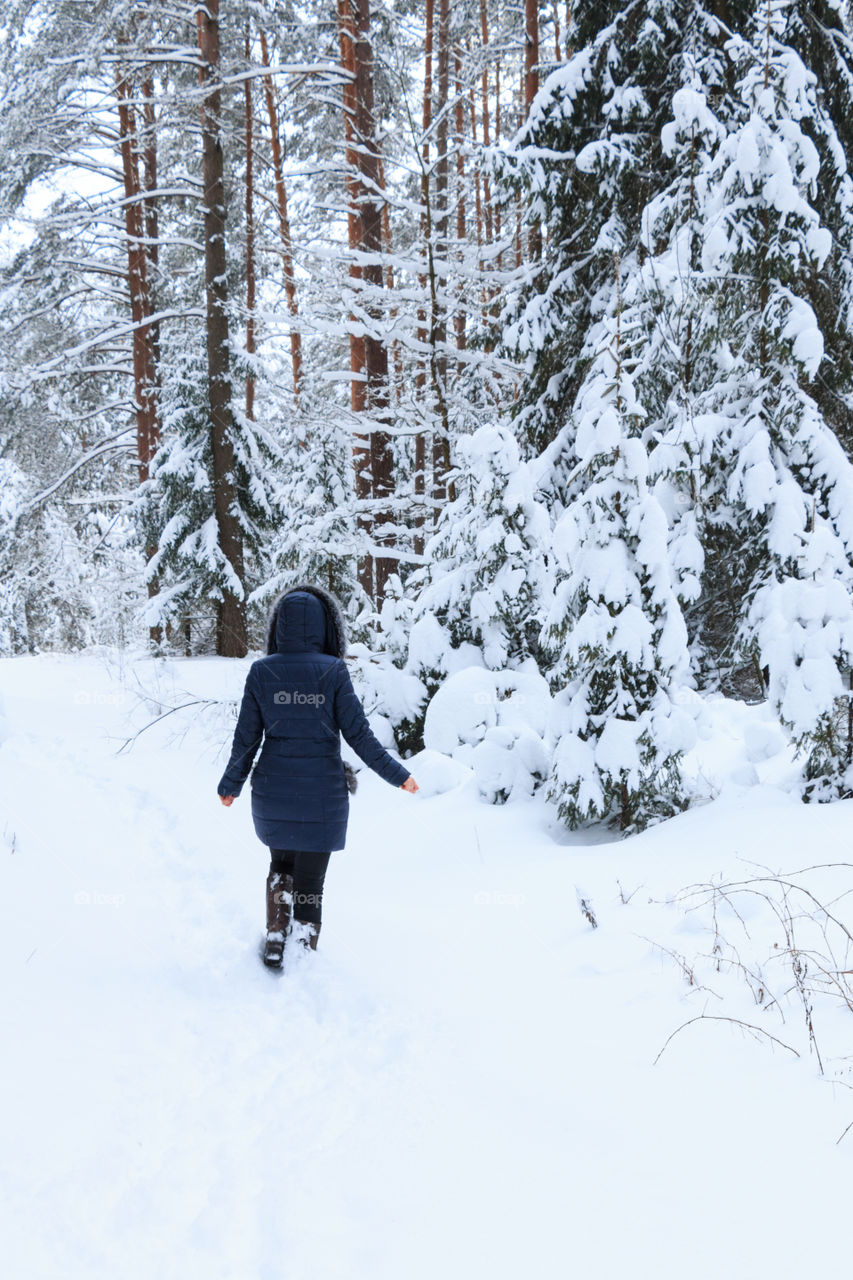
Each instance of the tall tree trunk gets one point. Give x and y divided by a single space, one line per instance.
375 349
250 239
396 358
478 198
531 86
425 229
438 264
487 193
152 232
283 225
459 318
231 638
145 386
519 251
361 443
497 143
531 51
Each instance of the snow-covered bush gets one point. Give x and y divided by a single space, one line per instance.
488 558
391 695
495 722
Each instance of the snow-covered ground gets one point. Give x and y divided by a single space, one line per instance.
462 1081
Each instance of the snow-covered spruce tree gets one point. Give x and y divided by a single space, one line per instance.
667 299
48 585
587 160
489 581
176 512
615 626
776 502
820 32
320 541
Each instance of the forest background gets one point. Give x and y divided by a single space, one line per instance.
525 329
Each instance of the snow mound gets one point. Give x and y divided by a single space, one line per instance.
762 742
436 773
509 762
495 723
739 744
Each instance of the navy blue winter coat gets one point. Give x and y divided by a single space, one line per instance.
298 700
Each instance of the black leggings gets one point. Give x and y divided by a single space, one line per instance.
308 871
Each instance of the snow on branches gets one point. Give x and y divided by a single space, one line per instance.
616 625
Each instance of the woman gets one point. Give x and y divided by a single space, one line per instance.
297 699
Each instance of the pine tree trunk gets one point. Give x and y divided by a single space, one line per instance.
396 358
519 251
231 637
283 224
425 224
250 239
459 319
438 266
152 232
478 198
531 86
361 444
145 386
497 215
375 350
487 192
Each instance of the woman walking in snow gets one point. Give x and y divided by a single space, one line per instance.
299 699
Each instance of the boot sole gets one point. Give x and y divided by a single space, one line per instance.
270 960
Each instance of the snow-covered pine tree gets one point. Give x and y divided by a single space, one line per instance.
321 539
587 159
175 505
616 627
820 32
59 588
776 502
489 577
677 355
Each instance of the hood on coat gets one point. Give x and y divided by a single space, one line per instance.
307 619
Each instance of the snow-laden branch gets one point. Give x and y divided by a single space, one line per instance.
110 445
117 331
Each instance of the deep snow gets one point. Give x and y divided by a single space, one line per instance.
460 1082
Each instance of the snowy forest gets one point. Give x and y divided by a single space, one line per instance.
442 413
526 329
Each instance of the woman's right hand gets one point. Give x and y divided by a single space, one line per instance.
409 785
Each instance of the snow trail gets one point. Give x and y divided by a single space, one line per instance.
458 1082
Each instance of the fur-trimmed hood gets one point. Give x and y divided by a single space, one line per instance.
334 640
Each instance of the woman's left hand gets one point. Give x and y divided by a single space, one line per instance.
226 800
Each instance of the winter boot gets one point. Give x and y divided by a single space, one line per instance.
279 903
308 933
